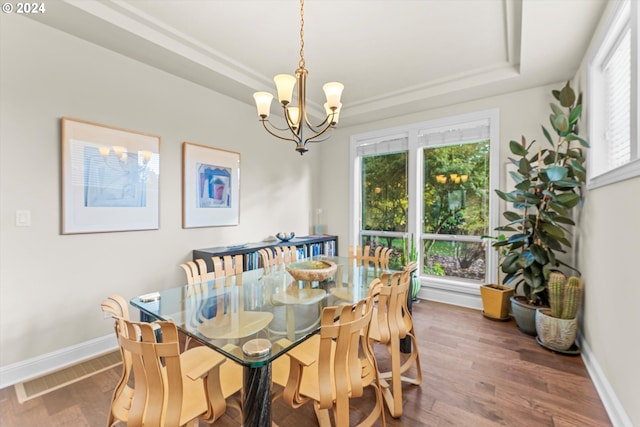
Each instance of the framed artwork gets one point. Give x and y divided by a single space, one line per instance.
210 186
110 178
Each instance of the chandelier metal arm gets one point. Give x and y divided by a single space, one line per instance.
264 124
316 128
319 132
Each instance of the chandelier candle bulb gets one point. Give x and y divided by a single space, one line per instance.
293 116
285 84
333 92
263 103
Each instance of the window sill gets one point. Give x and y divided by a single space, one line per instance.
628 171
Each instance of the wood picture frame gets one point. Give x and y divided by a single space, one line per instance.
210 186
110 178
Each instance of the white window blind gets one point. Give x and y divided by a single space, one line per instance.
464 133
394 145
617 80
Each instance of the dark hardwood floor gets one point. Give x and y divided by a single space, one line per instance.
476 372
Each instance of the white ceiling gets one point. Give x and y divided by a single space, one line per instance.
393 56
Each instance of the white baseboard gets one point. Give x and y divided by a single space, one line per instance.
451 296
56 360
612 405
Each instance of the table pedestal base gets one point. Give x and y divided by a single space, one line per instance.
256 398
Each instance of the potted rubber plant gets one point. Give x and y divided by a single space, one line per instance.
548 185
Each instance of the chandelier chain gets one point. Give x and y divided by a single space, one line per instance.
301 63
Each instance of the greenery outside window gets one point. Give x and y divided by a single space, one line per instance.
456 209
431 182
384 195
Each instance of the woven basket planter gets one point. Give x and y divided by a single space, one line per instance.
555 333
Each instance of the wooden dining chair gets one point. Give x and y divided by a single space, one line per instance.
192 271
230 380
278 255
227 265
289 253
219 314
391 321
196 272
172 388
116 306
333 367
382 256
378 259
360 253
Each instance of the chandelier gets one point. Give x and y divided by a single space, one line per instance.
299 129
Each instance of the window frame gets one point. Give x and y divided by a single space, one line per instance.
621 16
415 178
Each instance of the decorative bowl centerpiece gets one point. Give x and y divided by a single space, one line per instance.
312 270
283 236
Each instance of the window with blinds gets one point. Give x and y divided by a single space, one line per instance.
613 97
617 94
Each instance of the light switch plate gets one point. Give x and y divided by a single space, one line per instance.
23 218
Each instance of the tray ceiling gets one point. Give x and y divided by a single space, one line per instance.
394 57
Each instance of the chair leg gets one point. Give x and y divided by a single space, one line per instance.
393 395
391 381
216 402
414 358
324 420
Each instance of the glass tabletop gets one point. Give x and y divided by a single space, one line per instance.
256 316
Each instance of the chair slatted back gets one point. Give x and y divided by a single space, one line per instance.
278 255
345 357
379 258
360 253
191 270
393 317
227 265
156 367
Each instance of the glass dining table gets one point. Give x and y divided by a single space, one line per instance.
257 316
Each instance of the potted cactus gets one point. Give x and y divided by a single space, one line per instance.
548 185
557 325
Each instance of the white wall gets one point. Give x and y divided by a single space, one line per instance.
51 285
610 262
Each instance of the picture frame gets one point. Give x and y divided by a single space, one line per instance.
110 178
210 186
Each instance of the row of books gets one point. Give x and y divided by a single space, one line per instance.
306 250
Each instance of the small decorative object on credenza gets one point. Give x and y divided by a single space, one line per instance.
283 236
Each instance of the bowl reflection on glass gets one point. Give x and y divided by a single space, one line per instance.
312 270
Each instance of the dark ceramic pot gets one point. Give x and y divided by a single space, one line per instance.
525 314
